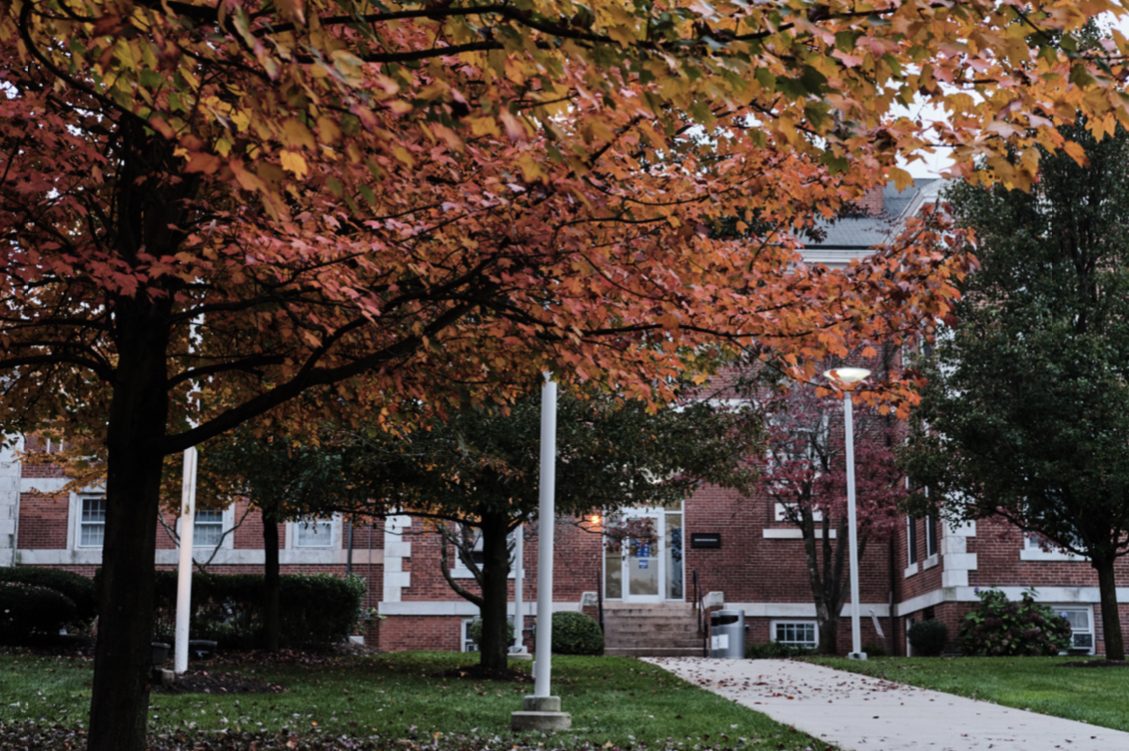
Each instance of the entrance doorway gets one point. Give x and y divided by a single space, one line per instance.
644 561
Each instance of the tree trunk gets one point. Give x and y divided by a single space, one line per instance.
495 580
272 615
1111 618
119 705
829 635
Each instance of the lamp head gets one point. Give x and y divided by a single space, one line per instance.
846 375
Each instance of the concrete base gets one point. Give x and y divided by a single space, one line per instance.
541 713
167 677
856 656
520 656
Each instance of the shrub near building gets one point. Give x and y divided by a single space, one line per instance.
998 627
576 634
27 611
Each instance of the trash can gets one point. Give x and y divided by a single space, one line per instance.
727 634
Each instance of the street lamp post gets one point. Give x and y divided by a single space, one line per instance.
848 377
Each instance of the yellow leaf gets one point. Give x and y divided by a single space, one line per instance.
1076 152
348 65
404 156
295 134
293 162
530 168
328 130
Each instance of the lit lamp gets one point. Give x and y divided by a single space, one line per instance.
847 377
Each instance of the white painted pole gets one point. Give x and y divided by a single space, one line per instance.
852 531
543 667
519 575
184 570
187 527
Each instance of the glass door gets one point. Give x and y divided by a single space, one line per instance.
635 566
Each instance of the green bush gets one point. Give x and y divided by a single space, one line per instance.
79 589
928 638
27 611
576 634
474 632
875 649
316 609
998 627
774 650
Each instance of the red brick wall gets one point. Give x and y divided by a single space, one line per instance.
42 523
421 632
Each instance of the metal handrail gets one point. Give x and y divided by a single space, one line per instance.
698 608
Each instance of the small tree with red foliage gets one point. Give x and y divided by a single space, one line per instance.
804 470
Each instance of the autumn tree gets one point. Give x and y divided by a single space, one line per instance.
476 476
803 474
1027 411
377 201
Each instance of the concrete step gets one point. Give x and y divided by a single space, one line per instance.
643 640
655 651
651 624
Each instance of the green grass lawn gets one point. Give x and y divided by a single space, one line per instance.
1099 696
614 702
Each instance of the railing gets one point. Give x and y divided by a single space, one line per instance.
698 608
600 601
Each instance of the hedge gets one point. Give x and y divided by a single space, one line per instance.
77 588
316 609
28 611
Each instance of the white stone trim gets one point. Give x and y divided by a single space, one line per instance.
1027 554
46 485
238 557
1047 595
790 534
930 562
458 607
799 610
395 551
909 571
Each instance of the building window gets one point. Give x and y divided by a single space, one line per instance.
92 524
782 511
930 536
911 539
460 570
468 644
796 633
314 533
207 531
1081 626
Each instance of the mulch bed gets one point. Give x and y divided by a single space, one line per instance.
1095 664
203 682
478 673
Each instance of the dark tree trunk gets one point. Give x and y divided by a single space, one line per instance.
495 596
829 635
272 615
119 706
1111 618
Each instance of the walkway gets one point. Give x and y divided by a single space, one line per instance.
870 714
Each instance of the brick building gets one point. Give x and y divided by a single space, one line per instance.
715 545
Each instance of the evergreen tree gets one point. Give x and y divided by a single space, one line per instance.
1027 411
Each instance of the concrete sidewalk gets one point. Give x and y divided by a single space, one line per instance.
869 714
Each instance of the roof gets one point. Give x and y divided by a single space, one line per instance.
852 237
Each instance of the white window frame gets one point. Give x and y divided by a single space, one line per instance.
1089 611
1032 551
912 566
459 569
294 528
79 509
795 622
781 513
466 645
228 541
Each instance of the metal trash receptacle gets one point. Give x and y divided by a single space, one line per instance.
727 634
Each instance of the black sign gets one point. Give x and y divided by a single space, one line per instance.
705 539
